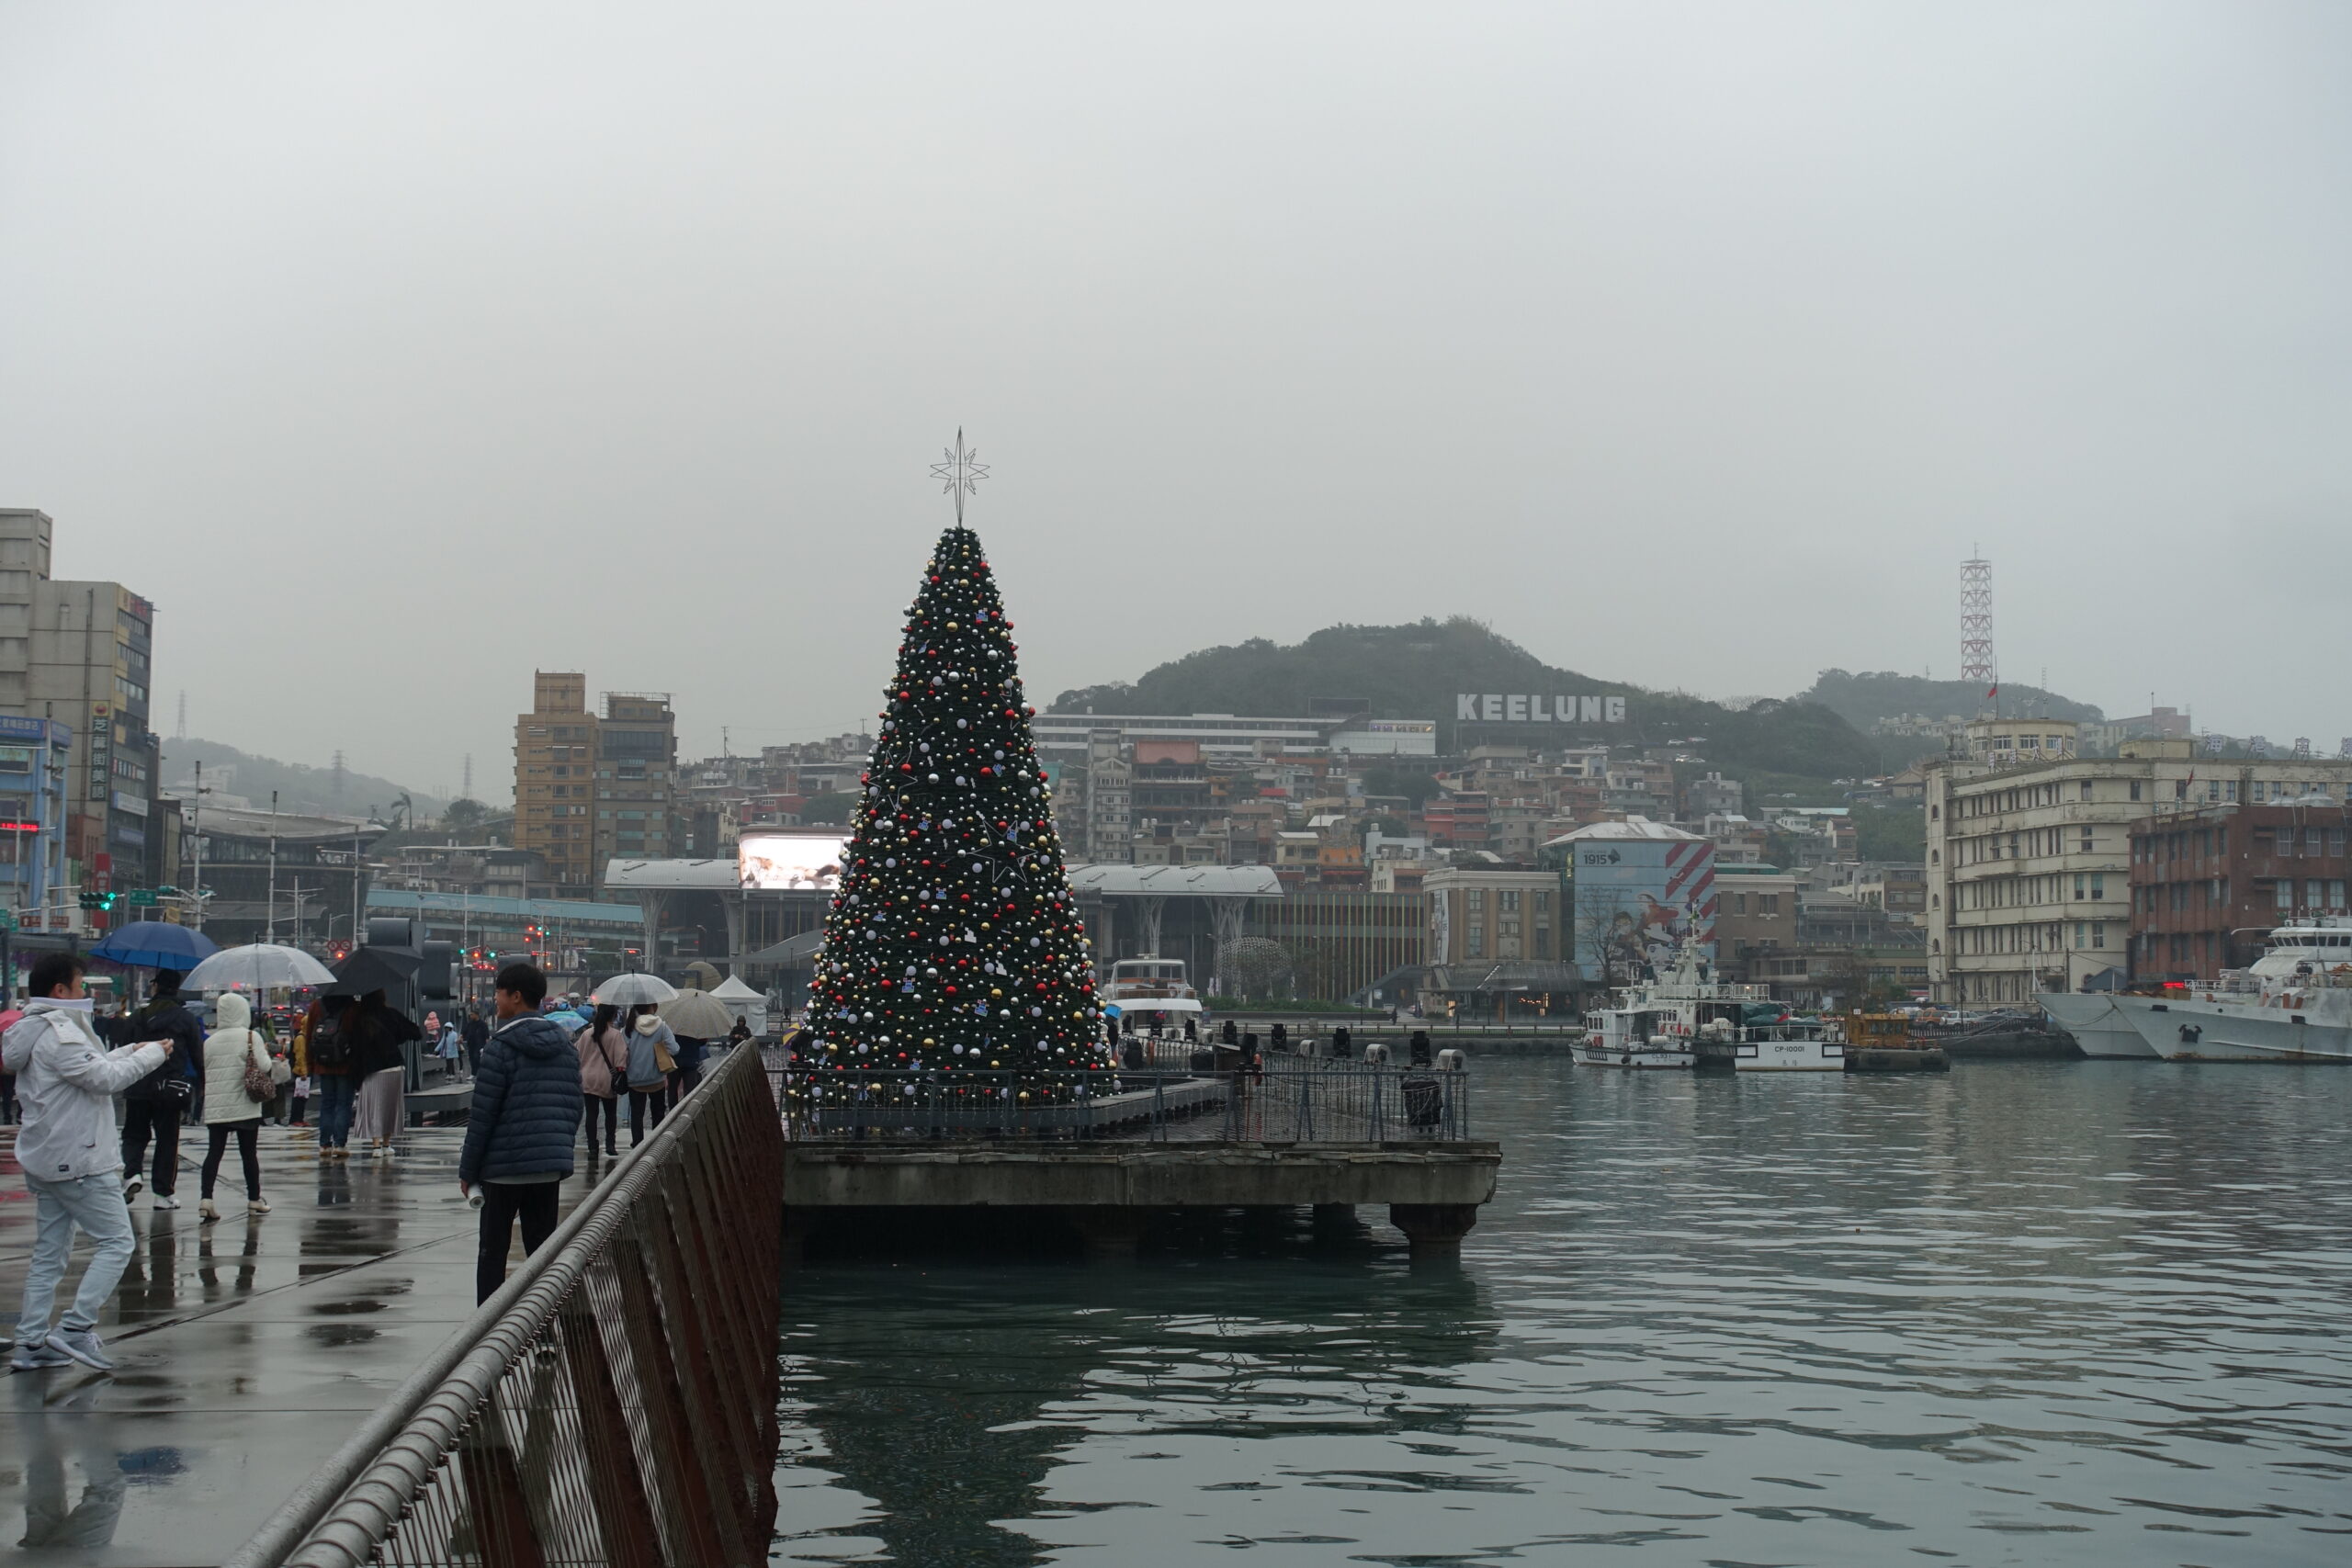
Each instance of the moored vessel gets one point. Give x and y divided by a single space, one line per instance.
2294 1005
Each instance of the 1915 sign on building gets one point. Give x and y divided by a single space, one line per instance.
1518 707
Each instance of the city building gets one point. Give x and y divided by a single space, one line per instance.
1074 733
1756 913
2208 883
277 876
80 653
2028 849
1641 888
35 757
594 786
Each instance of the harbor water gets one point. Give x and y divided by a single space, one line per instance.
2023 1312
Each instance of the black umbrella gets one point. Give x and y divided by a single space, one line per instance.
372 969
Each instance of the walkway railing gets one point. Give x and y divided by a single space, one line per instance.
1288 1100
615 1403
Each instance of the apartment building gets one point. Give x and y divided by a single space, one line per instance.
2208 884
80 653
2028 849
592 786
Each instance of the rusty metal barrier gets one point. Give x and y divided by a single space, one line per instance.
614 1404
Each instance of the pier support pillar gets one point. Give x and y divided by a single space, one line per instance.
1335 1221
1107 1232
1434 1229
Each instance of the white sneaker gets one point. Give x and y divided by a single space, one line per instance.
131 1186
165 1200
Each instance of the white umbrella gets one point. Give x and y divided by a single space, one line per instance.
629 990
257 966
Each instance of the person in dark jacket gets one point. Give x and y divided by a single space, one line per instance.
154 1104
473 1035
518 1135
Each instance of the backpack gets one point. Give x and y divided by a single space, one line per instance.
329 1047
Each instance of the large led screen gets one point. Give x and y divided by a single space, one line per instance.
784 862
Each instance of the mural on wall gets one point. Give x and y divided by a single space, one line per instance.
1637 899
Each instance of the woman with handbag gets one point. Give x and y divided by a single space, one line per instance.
653 1057
236 1086
603 1069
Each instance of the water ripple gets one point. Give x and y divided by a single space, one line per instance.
2026 1313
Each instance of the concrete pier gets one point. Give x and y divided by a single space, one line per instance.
1109 1192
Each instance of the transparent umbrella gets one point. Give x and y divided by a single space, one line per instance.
257 966
629 990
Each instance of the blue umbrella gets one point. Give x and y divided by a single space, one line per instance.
156 944
565 1017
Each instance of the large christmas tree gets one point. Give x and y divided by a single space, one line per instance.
955 943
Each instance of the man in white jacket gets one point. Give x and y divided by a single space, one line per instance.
72 1157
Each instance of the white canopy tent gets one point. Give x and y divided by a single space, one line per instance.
744 1002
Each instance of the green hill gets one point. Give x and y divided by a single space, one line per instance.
1414 671
1862 700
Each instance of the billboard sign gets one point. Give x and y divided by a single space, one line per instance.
778 861
1635 901
1536 708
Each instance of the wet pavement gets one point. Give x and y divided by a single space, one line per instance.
246 1349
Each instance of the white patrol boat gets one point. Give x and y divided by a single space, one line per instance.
1784 1046
1150 990
1659 1023
2294 1005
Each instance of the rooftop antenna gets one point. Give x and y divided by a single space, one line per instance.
335 779
1976 662
180 732
468 787
960 472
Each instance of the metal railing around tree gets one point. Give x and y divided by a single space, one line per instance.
615 1403
1283 1100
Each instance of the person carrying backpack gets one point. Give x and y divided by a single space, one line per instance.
153 1106
326 1057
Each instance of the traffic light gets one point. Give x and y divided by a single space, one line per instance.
98 900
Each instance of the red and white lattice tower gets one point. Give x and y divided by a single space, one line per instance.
1977 622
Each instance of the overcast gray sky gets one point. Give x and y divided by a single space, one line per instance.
396 350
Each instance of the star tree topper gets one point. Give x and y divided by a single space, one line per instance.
960 473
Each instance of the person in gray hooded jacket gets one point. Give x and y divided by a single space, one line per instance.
72 1159
518 1134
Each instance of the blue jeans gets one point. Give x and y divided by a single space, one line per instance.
94 1205
337 1093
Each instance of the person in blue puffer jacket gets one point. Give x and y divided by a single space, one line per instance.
519 1132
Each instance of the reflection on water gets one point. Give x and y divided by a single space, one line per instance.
2026 1313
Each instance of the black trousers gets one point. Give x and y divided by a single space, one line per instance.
609 1106
639 1099
248 1153
161 1118
504 1202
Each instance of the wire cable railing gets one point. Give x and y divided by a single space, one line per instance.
614 1404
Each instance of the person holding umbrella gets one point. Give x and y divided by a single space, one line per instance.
153 1105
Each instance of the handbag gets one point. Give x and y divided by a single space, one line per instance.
257 1086
663 1059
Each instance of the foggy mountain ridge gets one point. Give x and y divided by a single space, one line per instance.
1415 670
1863 699
301 788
